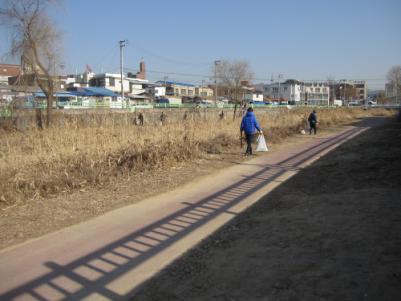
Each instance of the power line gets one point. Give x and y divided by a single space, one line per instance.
264 79
167 59
373 83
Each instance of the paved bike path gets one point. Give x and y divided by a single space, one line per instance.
108 257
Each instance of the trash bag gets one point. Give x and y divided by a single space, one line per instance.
261 147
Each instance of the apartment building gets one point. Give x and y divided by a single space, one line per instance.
315 94
297 92
350 90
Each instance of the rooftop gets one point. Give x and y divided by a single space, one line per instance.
175 83
9 70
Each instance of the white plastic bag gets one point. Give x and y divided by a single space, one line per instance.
261 147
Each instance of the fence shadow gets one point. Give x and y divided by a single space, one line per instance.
90 274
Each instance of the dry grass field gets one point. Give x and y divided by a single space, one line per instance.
37 164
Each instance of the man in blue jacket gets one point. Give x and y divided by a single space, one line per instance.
249 125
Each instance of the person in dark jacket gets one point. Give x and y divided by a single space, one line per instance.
163 119
249 125
312 122
141 119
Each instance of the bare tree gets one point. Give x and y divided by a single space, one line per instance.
230 74
394 78
35 40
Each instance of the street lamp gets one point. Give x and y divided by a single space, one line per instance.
122 43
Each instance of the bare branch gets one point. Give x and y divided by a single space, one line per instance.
35 40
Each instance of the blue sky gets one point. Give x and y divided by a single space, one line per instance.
307 40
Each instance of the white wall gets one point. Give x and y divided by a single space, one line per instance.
4 79
160 91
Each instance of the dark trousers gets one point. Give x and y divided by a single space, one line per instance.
249 138
312 126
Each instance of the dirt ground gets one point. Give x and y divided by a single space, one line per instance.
42 216
332 232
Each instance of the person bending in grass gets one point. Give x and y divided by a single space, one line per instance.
249 125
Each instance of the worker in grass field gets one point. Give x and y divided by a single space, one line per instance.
140 119
249 125
163 119
221 114
312 122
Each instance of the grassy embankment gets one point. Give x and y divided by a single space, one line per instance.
36 164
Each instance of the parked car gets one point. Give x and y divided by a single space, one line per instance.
338 102
353 103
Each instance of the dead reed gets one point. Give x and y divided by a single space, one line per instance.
42 163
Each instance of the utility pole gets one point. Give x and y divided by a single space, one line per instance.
345 87
165 86
122 45
216 63
279 92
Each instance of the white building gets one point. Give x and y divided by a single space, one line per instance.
289 90
317 94
253 96
157 91
297 92
111 81
83 80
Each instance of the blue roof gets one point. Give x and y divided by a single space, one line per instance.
175 83
56 94
87 91
98 91
93 91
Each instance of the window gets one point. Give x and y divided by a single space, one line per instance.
317 89
183 92
111 82
325 90
190 92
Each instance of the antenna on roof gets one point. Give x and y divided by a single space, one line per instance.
88 68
